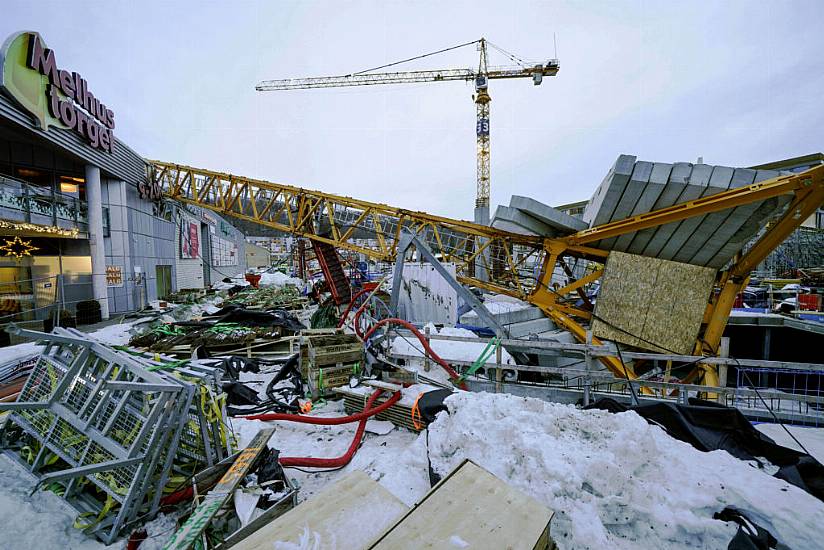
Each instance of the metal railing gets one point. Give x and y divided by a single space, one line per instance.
29 203
765 390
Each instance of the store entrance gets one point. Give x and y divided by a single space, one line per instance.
163 276
16 294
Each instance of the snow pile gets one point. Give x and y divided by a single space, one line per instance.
237 280
42 520
278 279
447 350
613 480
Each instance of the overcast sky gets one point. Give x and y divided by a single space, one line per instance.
738 83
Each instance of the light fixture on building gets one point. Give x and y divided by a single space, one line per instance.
69 184
34 228
18 248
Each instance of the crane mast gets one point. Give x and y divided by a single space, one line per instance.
482 101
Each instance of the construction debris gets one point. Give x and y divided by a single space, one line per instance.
112 428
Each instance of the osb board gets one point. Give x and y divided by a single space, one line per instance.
471 508
657 304
346 516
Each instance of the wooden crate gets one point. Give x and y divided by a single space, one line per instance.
334 349
333 377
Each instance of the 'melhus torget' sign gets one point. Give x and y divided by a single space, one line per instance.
56 97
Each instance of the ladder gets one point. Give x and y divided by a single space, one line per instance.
330 264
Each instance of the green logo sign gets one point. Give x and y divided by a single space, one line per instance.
54 97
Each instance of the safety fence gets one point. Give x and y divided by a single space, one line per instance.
763 390
32 302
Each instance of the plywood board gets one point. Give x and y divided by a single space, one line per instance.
652 304
346 516
471 508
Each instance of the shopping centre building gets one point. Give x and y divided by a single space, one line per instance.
79 219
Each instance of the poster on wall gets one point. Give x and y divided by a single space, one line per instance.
189 242
114 276
224 252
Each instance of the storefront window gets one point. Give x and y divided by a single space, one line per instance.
71 186
42 182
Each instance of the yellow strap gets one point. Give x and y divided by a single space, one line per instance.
107 507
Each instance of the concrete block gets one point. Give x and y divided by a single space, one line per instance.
527 223
686 182
718 227
637 199
536 326
563 223
505 225
682 241
603 202
669 194
506 318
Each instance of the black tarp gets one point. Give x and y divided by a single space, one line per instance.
708 426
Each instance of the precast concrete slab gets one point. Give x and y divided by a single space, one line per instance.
737 219
603 202
504 225
506 318
688 182
636 193
563 223
536 326
719 181
718 227
708 240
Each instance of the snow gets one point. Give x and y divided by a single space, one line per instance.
811 438
42 520
615 480
278 279
237 280
504 307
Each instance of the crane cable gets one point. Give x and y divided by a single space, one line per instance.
414 58
511 56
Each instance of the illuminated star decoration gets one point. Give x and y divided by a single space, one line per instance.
18 247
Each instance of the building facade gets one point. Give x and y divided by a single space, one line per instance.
79 219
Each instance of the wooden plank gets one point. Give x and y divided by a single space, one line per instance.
471 508
346 516
217 497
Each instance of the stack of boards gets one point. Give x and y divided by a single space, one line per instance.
469 508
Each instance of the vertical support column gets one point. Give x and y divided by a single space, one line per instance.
98 251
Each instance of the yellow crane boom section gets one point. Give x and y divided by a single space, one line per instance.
508 258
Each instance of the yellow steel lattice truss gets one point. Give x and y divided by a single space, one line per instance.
508 258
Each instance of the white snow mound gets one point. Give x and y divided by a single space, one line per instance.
278 279
615 481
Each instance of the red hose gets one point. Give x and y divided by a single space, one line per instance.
349 307
454 375
344 459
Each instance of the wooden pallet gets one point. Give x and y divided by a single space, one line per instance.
398 414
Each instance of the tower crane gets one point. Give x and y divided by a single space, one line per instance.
481 77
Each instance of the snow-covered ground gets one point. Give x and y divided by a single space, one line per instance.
612 480
811 438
